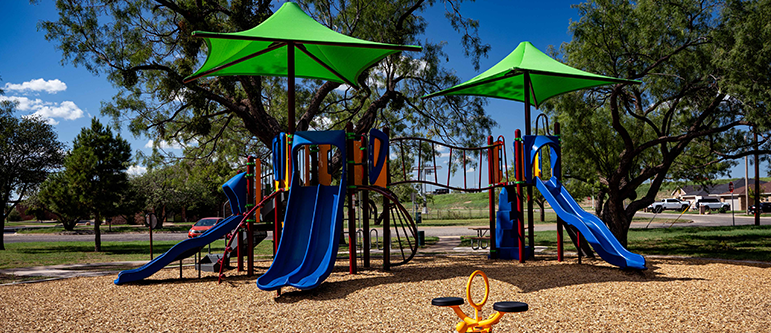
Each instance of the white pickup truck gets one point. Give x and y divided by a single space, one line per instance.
712 204
671 204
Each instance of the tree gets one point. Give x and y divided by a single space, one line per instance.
29 149
685 121
95 172
146 49
57 196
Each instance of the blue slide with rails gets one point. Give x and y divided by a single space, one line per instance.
235 190
590 226
312 225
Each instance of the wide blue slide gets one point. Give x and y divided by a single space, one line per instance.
312 225
235 190
590 226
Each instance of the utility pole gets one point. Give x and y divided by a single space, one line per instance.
757 179
746 183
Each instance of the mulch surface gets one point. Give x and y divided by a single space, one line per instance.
674 295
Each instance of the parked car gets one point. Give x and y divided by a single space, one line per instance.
202 226
765 207
671 204
712 204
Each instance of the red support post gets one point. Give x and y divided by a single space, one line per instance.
491 195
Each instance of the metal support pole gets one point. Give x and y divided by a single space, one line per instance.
252 190
386 213
530 226
150 223
365 202
350 182
518 176
560 249
757 179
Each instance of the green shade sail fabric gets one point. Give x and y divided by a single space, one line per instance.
547 78
320 52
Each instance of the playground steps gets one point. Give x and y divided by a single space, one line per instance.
210 262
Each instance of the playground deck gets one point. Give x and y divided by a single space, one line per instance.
674 295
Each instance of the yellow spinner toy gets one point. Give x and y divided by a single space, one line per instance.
469 324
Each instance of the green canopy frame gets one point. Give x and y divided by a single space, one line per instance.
292 44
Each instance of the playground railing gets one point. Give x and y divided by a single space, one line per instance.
415 149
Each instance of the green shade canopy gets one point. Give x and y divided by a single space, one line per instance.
545 76
319 52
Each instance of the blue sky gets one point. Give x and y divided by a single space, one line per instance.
33 74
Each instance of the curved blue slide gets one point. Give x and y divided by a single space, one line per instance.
590 226
235 190
312 226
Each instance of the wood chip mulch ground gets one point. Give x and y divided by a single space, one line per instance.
674 295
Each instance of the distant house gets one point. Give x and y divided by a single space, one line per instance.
721 191
740 193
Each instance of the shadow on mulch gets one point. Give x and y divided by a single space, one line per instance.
527 277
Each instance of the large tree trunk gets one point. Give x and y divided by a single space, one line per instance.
614 214
541 207
97 234
2 224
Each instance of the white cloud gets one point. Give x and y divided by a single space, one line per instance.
67 110
136 170
49 86
163 145
47 120
470 170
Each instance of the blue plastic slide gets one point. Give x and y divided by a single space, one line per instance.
235 190
181 250
590 226
312 226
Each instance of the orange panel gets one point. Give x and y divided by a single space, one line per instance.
382 179
325 178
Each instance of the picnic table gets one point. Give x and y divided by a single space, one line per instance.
482 239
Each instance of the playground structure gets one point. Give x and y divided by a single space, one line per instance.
313 221
310 229
469 324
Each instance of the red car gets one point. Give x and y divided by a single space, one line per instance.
202 226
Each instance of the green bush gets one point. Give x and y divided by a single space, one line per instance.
14 216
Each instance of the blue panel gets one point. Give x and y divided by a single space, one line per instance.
235 190
532 143
279 155
312 225
590 226
374 171
506 226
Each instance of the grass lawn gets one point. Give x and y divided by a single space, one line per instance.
106 229
737 243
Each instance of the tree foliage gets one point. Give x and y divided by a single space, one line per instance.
146 49
192 187
95 173
702 85
29 150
